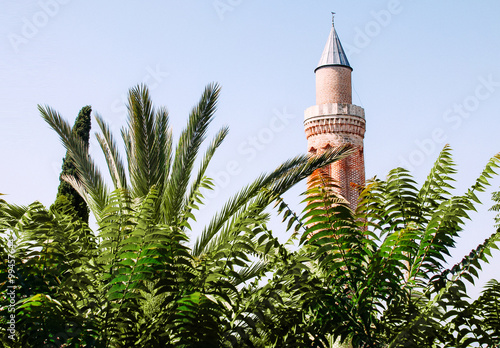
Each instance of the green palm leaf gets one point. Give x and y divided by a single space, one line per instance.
186 152
147 143
91 178
110 150
254 195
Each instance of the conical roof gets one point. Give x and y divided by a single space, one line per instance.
333 54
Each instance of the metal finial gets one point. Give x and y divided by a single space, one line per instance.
333 17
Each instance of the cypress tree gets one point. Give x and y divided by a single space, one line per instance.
67 198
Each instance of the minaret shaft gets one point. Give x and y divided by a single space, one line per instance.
335 121
333 85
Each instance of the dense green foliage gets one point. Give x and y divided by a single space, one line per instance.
138 283
376 277
382 276
65 192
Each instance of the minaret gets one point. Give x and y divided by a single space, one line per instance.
335 121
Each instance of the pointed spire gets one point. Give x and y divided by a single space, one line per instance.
333 54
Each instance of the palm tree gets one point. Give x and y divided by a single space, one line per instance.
375 277
137 282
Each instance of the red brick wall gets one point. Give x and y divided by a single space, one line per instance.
324 130
333 85
345 172
337 125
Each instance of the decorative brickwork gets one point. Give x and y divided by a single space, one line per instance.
333 122
333 85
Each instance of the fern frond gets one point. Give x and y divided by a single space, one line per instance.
436 187
484 178
401 205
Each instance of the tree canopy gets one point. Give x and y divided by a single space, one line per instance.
373 277
65 192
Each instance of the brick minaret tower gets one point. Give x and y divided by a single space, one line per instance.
334 120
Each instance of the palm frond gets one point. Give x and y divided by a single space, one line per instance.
163 145
11 213
77 186
288 214
194 196
111 153
281 179
186 152
88 172
254 270
145 142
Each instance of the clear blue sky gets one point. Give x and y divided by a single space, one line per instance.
426 72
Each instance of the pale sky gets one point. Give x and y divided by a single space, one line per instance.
426 73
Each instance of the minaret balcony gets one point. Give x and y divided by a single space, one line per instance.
335 109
